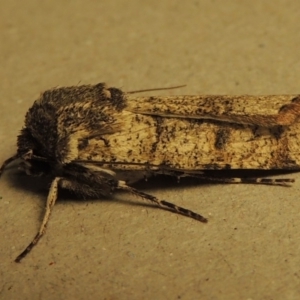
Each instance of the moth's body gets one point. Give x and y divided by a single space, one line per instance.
93 140
102 128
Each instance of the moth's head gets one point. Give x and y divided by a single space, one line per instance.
33 161
34 165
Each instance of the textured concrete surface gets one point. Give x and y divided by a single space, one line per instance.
127 249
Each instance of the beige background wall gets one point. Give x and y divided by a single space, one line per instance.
117 249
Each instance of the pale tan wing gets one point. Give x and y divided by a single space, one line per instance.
147 142
264 111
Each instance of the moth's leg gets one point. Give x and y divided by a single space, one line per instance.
7 162
173 207
52 196
254 180
250 180
204 176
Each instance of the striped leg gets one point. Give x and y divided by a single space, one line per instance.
249 180
52 197
162 203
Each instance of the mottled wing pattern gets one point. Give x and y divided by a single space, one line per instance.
182 133
246 109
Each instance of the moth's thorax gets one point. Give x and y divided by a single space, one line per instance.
60 121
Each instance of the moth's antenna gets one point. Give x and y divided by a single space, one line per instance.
7 162
156 89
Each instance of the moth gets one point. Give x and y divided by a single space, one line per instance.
94 140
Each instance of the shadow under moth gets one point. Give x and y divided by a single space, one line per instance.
94 140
